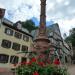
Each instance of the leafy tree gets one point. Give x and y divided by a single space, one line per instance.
71 37
29 25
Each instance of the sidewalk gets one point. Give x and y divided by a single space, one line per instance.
5 71
71 69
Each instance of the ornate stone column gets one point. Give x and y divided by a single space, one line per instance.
41 43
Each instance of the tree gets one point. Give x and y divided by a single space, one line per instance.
29 25
71 37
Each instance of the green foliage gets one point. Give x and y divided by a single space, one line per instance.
47 70
29 25
36 66
71 37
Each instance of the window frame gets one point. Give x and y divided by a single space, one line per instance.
6 44
18 35
16 48
4 58
14 58
22 59
7 30
26 38
24 47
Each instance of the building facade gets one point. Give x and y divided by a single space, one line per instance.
14 40
58 47
63 49
55 38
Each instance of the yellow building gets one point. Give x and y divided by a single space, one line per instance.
13 39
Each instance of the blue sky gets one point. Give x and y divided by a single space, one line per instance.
57 11
34 19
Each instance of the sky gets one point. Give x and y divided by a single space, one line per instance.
57 11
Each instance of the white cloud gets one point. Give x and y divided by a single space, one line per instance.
59 1
20 9
1 6
67 3
61 11
66 25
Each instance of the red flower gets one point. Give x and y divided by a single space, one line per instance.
33 60
29 63
41 63
23 63
35 73
56 62
41 56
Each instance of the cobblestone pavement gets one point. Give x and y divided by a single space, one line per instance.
71 69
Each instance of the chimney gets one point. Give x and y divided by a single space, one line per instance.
2 12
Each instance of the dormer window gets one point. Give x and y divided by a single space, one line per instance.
18 25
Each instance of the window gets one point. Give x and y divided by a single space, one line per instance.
8 31
18 35
16 46
24 48
51 34
14 59
6 43
25 38
4 58
23 59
